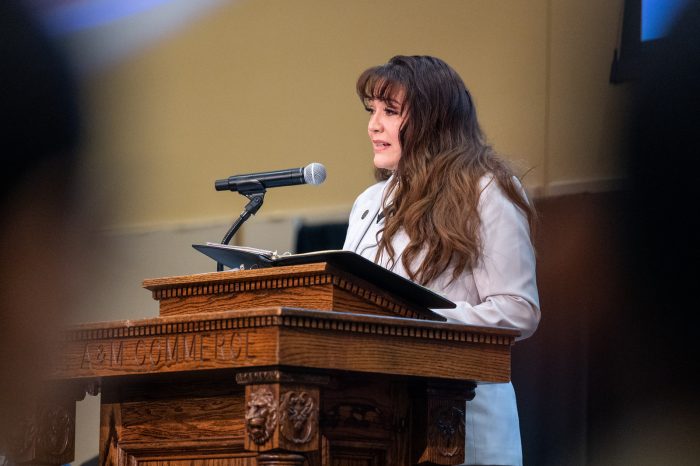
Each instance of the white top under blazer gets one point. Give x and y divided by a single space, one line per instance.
500 291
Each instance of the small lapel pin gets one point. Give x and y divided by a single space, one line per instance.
364 214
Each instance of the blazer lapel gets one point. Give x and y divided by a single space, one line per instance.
364 215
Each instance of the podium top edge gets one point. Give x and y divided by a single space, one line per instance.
253 315
153 284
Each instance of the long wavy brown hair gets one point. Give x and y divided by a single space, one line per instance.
435 188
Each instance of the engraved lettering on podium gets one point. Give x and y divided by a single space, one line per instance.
298 416
155 360
261 415
235 346
152 352
141 361
117 351
93 356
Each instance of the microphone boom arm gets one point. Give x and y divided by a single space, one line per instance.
255 191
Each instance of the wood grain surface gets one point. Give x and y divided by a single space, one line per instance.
312 286
230 373
281 336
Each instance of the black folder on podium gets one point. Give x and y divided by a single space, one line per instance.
240 257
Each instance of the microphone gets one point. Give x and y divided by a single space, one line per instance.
313 173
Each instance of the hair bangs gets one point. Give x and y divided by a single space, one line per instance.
379 83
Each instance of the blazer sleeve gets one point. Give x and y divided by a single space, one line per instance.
505 276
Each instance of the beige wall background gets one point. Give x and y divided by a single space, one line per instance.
269 84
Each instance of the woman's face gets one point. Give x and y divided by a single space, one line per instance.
385 120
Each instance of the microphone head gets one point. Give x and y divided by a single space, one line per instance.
314 173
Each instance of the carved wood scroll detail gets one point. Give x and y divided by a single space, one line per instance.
445 429
448 430
93 387
56 430
445 423
44 435
261 415
282 410
298 417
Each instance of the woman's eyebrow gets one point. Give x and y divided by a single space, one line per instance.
388 102
392 102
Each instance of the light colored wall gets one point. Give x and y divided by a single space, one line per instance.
585 113
269 84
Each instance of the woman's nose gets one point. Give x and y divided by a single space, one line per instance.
375 124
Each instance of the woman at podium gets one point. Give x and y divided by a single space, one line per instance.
449 214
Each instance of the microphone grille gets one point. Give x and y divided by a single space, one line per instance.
314 173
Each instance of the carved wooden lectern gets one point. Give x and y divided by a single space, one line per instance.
294 365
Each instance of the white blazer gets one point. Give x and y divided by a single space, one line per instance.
500 291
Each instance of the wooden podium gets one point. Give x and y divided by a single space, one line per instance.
294 365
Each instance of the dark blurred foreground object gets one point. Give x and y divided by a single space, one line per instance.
608 379
39 118
39 135
662 229
644 27
646 405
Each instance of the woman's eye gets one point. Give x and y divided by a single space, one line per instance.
390 111
369 109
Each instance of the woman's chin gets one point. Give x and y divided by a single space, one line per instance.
386 161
